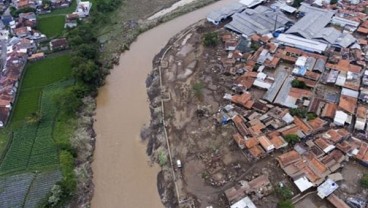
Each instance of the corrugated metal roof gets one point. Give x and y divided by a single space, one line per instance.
217 15
302 43
257 21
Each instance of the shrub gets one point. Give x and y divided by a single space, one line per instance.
292 138
364 181
162 158
210 39
285 204
68 183
197 89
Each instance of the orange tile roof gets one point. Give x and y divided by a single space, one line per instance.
361 112
362 30
363 150
344 65
242 99
251 142
256 151
239 139
265 143
317 123
312 75
278 142
321 143
299 93
302 125
245 80
288 158
329 110
292 130
240 125
344 146
348 103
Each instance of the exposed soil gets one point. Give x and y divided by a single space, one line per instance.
194 84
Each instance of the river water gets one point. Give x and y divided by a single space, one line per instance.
123 177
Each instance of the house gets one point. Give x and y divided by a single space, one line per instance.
83 9
327 188
36 56
71 20
59 44
22 32
27 19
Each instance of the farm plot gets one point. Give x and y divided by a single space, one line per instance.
40 187
37 76
33 147
17 156
13 189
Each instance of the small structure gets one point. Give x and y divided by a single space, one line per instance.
83 9
327 188
244 203
58 44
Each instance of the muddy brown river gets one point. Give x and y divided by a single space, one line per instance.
123 177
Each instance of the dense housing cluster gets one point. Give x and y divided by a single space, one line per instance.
300 85
20 42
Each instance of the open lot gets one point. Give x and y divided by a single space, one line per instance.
51 26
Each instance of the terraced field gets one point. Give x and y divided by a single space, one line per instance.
27 189
30 166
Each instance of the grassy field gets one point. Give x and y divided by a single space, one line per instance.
51 26
37 76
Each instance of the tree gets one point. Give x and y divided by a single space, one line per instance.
88 51
68 101
285 194
292 138
88 72
297 3
210 39
299 112
364 181
311 116
298 84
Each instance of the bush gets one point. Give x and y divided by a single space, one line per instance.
299 112
298 84
364 181
68 183
292 138
197 89
285 204
311 116
162 158
285 194
210 39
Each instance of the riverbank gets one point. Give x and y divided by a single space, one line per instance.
118 150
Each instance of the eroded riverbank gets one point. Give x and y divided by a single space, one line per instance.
122 174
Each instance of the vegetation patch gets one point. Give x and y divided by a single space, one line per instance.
51 26
37 76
